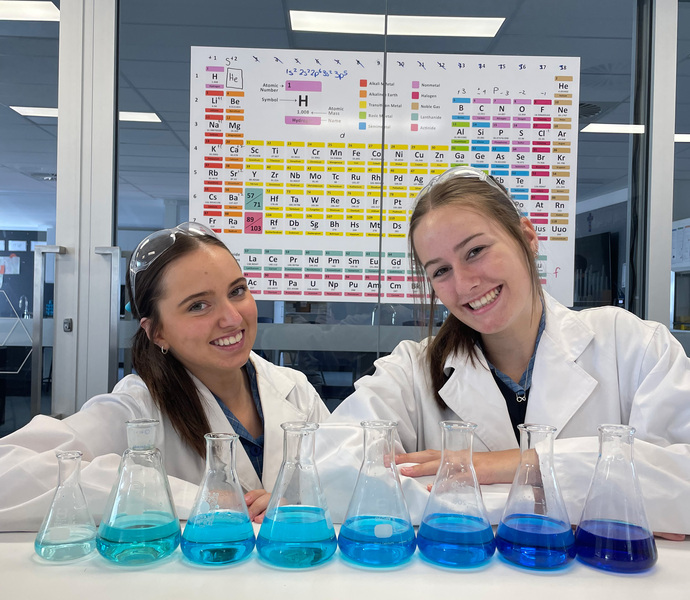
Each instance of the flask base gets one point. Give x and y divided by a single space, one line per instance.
377 541
535 541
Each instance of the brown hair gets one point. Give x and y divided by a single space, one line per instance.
168 382
495 204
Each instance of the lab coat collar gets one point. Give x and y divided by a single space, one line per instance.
473 395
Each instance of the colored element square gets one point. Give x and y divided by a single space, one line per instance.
415 95
413 127
362 125
414 116
362 115
362 83
415 106
415 85
363 104
362 93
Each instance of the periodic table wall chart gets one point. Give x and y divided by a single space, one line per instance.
291 166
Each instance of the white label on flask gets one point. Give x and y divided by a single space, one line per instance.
383 530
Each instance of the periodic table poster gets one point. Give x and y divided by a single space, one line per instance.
297 168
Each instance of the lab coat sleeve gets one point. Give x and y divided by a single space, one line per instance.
28 465
655 393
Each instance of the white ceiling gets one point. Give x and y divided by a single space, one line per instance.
155 37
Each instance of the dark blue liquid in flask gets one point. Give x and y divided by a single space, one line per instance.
139 523
613 533
535 529
218 530
297 531
377 531
455 530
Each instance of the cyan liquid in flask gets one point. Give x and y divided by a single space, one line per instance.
455 530
139 522
218 530
297 530
68 531
613 533
377 531
535 529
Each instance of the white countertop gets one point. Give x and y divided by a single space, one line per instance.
24 575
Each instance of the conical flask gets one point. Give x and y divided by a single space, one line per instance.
297 530
535 529
68 530
455 530
139 522
377 530
218 530
613 533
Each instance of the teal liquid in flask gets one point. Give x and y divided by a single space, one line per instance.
139 523
455 530
377 531
297 530
68 531
218 531
535 530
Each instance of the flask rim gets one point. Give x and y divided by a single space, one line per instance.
68 454
537 428
299 426
379 424
215 435
467 425
617 430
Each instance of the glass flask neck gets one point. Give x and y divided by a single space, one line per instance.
69 464
456 442
298 442
378 442
220 451
616 442
141 434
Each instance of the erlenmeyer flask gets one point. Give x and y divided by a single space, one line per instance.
218 530
535 529
139 522
455 530
297 530
68 530
377 530
613 533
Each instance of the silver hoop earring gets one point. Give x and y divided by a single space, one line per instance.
164 350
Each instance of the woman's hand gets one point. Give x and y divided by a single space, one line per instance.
257 501
491 467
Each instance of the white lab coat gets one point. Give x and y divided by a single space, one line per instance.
28 467
602 365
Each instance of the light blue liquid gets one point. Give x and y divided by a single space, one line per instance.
455 540
296 537
535 541
217 538
66 543
377 541
138 539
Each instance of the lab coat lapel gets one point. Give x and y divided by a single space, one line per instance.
274 392
559 385
472 394
218 422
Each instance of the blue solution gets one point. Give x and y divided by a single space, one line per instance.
535 541
138 539
455 540
217 538
67 543
377 541
615 546
296 537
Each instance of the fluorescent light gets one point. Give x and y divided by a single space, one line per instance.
28 11
682 137
612 128
332 22
35 111
444 26
140 117
38 111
